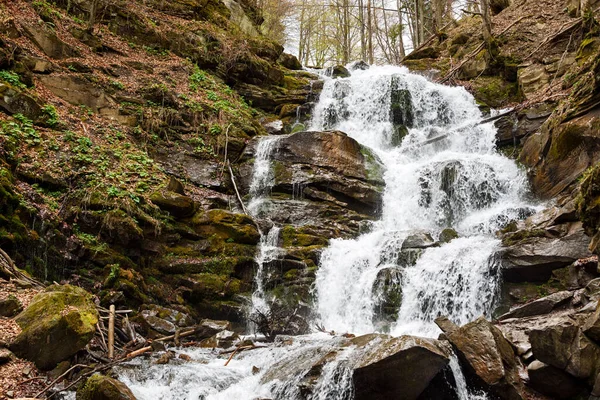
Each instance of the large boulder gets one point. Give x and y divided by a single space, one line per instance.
534 258
489 358
544 305
552 382
398 368
101 387
333 181
564 345
58 323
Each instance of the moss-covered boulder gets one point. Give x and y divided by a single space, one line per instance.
101 387
58 323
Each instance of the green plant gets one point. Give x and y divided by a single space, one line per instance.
197 78
12 78
117 85
52 118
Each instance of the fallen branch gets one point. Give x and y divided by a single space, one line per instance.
139 352
54 382
238 350
181 335
236 189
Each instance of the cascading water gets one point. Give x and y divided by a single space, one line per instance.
442 172
268 250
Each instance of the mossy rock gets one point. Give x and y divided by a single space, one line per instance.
301 237
447 235
225 225
58 323
494 91
102 387
176 204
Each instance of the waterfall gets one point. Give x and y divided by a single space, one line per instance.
268 249
431 253
442 171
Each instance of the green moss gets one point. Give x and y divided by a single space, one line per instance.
495 91
566 140
518 236
373 165
292 236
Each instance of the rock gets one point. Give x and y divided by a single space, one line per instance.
359 65
591 327
446 325
165 358
5 356
425 52
10 306
13 101
210 327
77 90
517 125
418 241
397 368
175 317
447 235
289 61
101 387
553 382
334 182
532 79
178 205
338 71
223 340
488 358
563 345
62 315
544 305
387 290
48 42
158 324
534 259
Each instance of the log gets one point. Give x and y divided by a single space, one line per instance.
139 352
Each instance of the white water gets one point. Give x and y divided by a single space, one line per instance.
459 181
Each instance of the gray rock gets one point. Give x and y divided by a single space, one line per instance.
418 241
564 346
5 356
553 382
534 259
540 306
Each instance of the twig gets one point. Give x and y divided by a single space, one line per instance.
111 332
138 352
104 345
239 349
59 378
226 144
181 335
236 189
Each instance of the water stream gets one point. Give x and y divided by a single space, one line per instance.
444 174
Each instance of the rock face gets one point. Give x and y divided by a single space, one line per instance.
552 381
535 257
101 387
329 173
489 357
57 324
398 368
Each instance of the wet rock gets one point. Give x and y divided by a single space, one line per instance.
387 290
165 358
447 235
10 306
446 325
398 368
322 179
418 241
563 345
553 382
534 259
176 317
210 327
62 315
101 387
223 340
488 357
338 71
289 61
517 125
157 324
359 65
544 305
